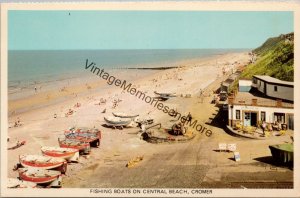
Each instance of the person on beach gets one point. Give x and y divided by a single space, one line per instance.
17 122
35 89
143 127
189 117
201 92
264 126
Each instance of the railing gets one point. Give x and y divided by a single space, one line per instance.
257 102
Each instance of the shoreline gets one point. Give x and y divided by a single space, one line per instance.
28 99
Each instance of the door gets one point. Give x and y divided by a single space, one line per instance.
247 119
253 117
290 121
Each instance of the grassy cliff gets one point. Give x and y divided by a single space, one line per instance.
275 58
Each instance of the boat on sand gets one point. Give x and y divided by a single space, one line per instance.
124 115
43 162
41 177
17 183
83 130
166 95
91 136
69 154
117 120
83 147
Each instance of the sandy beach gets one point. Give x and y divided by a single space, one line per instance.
164 165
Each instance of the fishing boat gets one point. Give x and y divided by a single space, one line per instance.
117 120
92 139
83 147
84 130
124 115
69 154
165 95
41 177
43 162
283 153
91 136
17 183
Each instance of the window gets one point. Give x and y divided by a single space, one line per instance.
275 88
279 117
238 114
263 116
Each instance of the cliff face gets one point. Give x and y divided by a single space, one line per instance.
275 58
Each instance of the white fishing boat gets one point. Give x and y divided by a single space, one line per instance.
17 183
124 115
117 120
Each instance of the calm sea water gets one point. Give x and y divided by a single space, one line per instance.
26 68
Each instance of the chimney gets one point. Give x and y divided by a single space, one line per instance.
254 101
230 99
278 103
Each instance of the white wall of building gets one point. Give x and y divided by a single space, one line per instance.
269 111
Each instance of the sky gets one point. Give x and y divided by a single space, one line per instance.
63 30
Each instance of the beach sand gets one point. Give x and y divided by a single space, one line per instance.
189 164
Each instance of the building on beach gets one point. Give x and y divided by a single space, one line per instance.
264 99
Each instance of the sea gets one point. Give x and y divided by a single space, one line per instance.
29 68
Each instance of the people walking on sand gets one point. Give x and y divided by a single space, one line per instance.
17 122
35 89
264 126
189 117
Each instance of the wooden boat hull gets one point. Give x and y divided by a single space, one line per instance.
121 115
41 177
83 147
83 131
119 122
71 155
93 139
59 164
165 95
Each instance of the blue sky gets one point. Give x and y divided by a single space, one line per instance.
54 30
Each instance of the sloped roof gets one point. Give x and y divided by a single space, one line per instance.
270 79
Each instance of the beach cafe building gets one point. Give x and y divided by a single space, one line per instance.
262 99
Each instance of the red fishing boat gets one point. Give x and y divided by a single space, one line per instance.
69 154
43 162
90 135
40 176
83 147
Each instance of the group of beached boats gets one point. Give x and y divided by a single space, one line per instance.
47 169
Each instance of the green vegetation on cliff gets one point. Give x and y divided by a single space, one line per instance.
275 58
